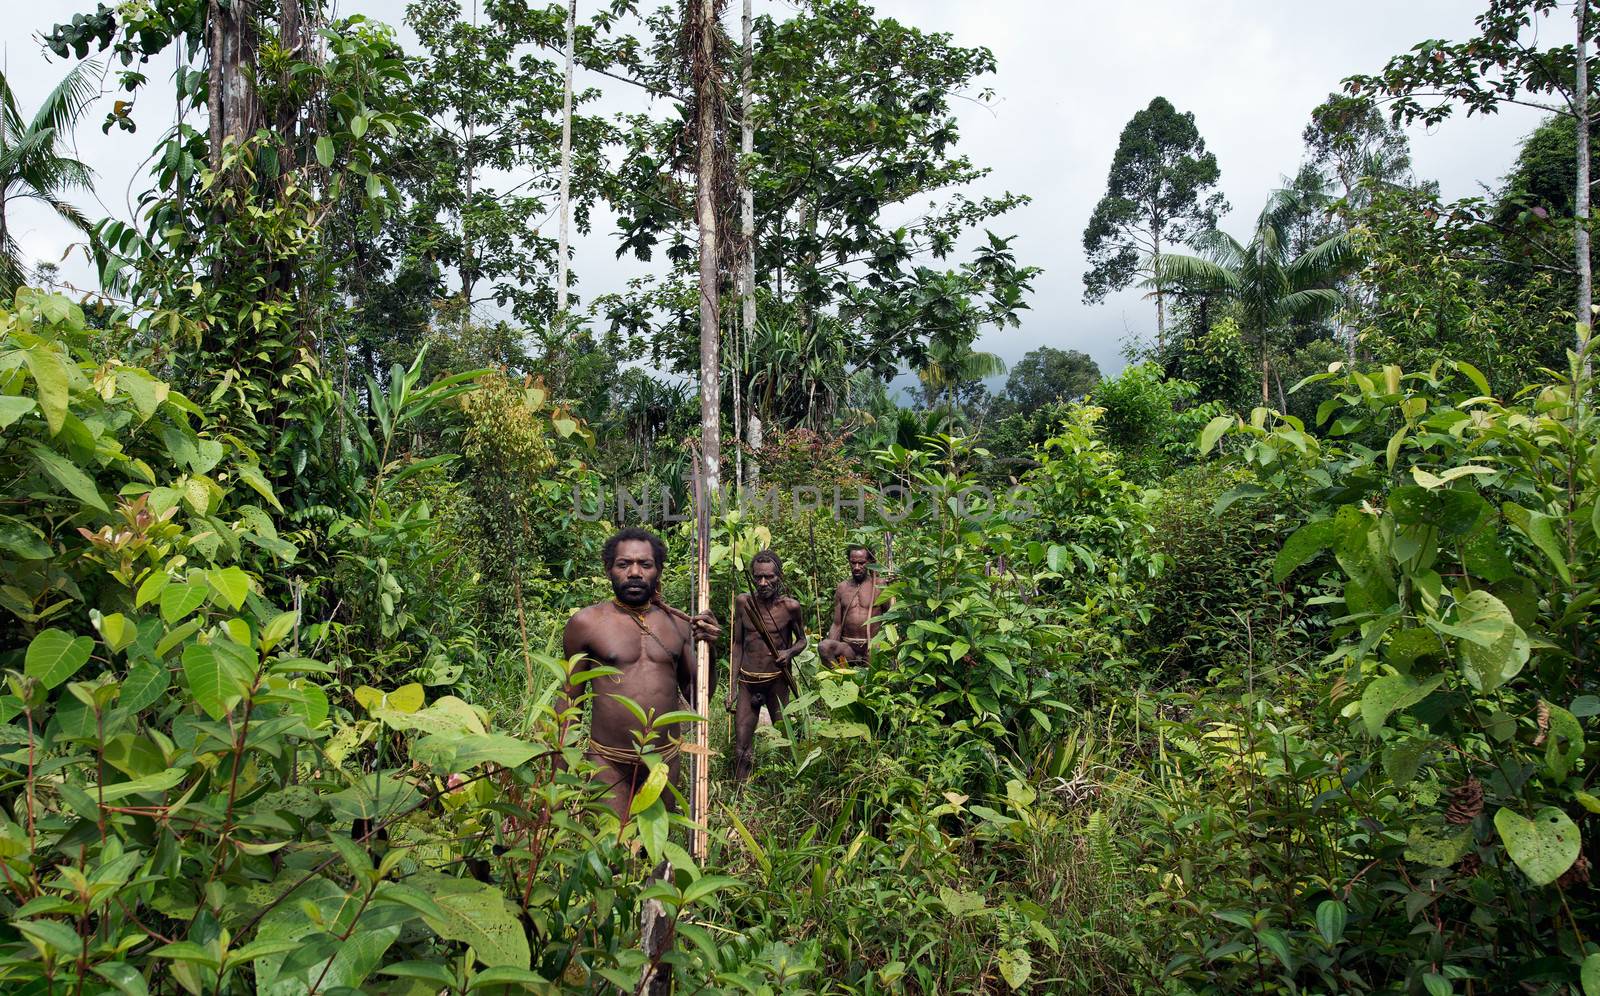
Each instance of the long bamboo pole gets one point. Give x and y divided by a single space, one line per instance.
566 168
704 65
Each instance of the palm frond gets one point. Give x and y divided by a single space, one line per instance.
1313 302
1194 274
1322 263
66 103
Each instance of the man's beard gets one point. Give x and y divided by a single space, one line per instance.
767 595
634 593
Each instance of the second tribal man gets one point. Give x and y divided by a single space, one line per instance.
855 611
768 634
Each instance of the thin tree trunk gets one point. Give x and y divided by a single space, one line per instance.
1161 302
1580 105
566 169
704 63
747 220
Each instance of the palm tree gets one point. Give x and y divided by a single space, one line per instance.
950 363
32 164
1270 288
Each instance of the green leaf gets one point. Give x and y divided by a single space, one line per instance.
1589 975
1543 847
66 473
959 903
1015 966
1331 916
13 408
346 964
1540 531
650 791
117 632
1493 648
178 600
123 976
159 782
1273 940
487 921
1436 984
50 936
51 380
231 583
451 752
325 151
54 656
151 588
1305 543
1391 692
219 674
705 885
1564 742
1210 434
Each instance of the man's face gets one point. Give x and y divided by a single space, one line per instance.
764 575
858 565
634 573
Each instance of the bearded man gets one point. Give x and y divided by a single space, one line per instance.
652 648
768 634
855 609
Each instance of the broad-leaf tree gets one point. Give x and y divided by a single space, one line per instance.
1156 197
1513 60
1048 374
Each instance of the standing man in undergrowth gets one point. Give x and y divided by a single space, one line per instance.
855 610
768 634
651 646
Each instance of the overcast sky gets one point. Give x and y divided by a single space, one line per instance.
1071 73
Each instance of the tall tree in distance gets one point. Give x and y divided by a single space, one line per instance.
33 164
1048 374
1156 196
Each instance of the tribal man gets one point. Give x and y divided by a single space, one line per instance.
652 647
768 634
855 609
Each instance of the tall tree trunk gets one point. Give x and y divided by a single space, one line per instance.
1161 302
566 169
705 70
747 221
231 98
1580 104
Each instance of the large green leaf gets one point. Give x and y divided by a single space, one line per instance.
1305 543
1454 512
51 380
1492 647
180 599
54 656
13 408
454 752
1564 742
1541 532
144 684
67 474
482 917
352 960
1543 847
1392 692
219 674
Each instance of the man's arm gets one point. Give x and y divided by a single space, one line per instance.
574 641
736 648
838 615
797 626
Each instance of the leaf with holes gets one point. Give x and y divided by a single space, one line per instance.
1543 847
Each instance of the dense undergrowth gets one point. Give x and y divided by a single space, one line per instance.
1334 740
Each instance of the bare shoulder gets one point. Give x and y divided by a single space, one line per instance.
791 604
586 617
841 588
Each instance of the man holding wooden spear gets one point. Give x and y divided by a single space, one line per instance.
652 647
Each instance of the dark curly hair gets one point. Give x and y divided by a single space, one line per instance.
658 549
872 558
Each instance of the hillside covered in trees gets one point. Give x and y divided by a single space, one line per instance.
1265 664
